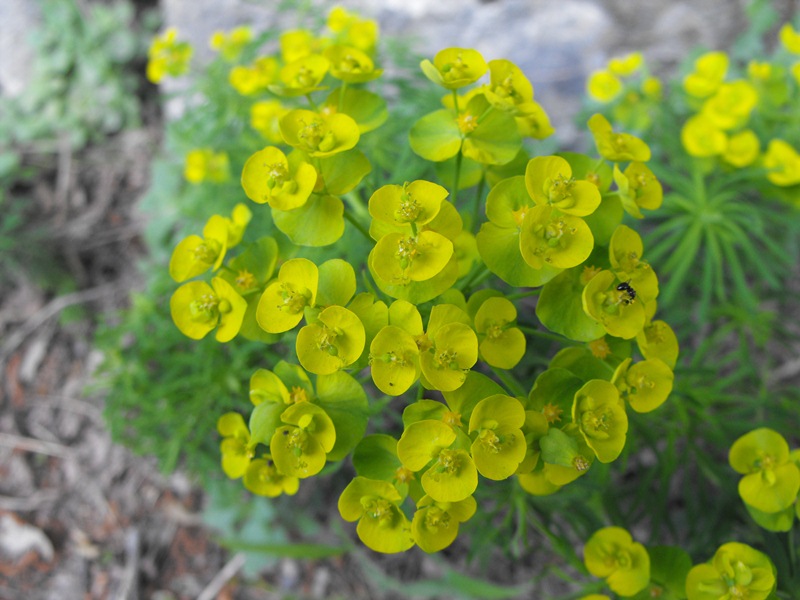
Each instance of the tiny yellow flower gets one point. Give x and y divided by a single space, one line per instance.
701 138
298 44
709 71
231 44
236 447
783 163
612 554
195 255
735 571
616 146
731 105
603 86
790 38
340 19
264 479
454 68
796 72
351 65
375 504
352 30
626 65
651 87
743 149
168 56
508 86
758 70
254 78
319 135
265 118
285 183
203 164
197 308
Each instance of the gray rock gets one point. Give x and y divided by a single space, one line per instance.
556 44
18 18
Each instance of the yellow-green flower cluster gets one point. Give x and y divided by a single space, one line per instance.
611 554
737 113
631 570
167 56
407 311
770 480
231 44
198 308
436 463
305 59
296 425
256 77
735 571
484 126
626 84
721 127
203 164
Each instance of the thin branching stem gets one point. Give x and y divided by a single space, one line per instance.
357 225
478 197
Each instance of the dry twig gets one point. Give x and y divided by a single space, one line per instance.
50 310
129 589
220 579
9 440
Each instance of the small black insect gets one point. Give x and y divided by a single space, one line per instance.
625 286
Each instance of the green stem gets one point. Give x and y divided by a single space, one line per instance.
476 274
368 284
456 177
519 295
455 101
357 225
342 91
311 102
484 113
699 184
478 197
508 380
520 538
547 336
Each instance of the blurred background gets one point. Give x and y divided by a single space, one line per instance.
83 224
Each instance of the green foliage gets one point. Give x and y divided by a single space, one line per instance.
149 407
82 86
164 392
487 393
723 135
423 322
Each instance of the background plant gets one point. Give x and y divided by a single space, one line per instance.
706 416
138 385
80 85
83 87
435 137
727 235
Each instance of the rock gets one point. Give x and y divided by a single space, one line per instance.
18 19
18 538
16 477
556 44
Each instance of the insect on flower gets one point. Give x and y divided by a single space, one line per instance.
625 286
